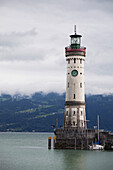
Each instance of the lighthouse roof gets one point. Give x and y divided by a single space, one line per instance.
75 35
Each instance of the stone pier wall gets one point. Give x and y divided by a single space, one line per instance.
80 138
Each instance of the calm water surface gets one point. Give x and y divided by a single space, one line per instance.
28 151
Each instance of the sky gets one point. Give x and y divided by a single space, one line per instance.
33 37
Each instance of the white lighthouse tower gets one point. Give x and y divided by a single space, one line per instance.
74 134
75 116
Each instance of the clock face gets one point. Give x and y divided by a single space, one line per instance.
74 73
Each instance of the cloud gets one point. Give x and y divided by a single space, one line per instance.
20 46
31 76
16 38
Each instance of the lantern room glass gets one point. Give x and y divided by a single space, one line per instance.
76 40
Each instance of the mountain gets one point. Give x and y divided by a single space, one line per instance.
39 111
101 105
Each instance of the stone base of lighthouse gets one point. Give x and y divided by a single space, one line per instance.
74 138
71 138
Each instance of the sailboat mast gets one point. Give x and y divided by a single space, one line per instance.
98 126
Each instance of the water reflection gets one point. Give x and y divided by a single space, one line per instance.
71 159
84 160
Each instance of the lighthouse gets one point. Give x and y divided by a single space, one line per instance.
75 115
74 134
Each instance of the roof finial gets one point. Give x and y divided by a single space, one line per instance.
75 28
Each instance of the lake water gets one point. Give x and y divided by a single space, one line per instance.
28 151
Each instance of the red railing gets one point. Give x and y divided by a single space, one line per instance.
83 49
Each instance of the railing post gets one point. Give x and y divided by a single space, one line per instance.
54 142
49 142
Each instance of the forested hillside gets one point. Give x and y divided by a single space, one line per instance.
39 111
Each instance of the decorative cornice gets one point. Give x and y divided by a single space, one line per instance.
69 58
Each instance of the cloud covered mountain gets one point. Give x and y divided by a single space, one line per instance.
39 111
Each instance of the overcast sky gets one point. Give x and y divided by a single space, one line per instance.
34 34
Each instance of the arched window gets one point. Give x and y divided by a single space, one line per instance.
74 60
68 85
66 113
74 96
73 112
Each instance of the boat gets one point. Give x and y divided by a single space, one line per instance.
96 146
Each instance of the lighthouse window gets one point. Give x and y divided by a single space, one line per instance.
68 61
73 112
74 60
81 113
74 96
67 113
80 61
81 85
74 123
68 84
